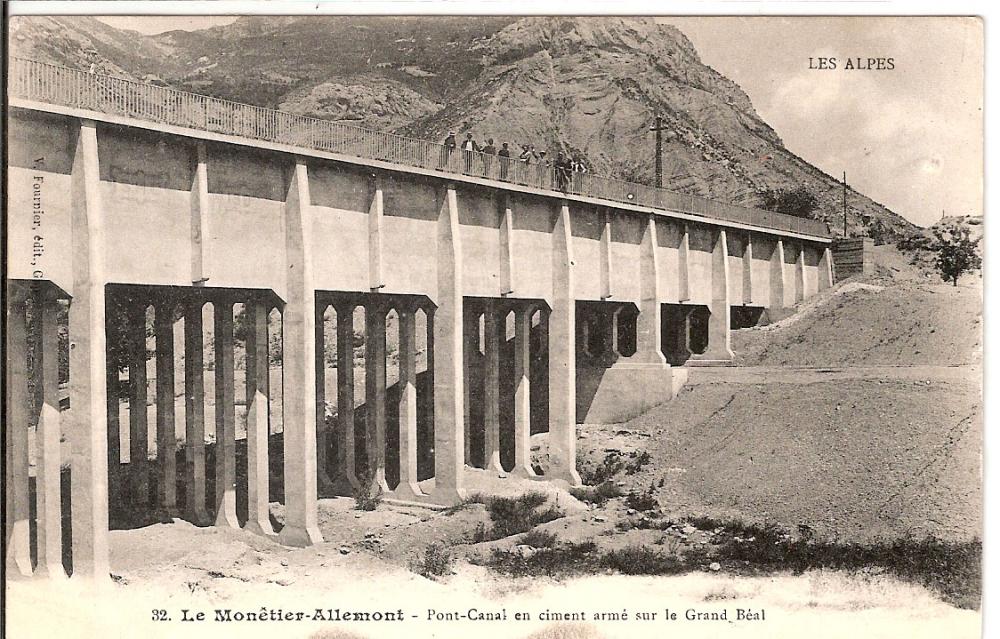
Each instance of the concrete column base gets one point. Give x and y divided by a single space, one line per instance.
624 390
408 492
300 536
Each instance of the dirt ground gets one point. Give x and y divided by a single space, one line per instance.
177 567
866 324
853 458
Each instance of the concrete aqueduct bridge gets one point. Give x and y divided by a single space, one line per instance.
539 308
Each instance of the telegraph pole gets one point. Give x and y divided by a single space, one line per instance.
845 204
658 128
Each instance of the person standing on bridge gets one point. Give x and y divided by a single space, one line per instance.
525 160
504 155
488 152
469 150
563 166
544 170
579 168
449 147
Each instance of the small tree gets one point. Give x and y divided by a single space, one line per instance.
957 252
798 201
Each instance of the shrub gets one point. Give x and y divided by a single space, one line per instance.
643 502
437 561
608 468
597 494
515 515
913 242
798 201
368 494
957 252
638 460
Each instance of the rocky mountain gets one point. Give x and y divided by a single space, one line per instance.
585 85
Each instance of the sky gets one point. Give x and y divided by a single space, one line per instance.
910 138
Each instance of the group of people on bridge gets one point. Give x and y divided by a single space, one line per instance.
563 173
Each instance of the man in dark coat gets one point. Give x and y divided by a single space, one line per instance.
504 155
488 152
469 150
449 146
563 167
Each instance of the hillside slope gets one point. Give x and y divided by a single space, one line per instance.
904 316
584 85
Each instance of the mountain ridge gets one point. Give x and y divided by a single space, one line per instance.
588 86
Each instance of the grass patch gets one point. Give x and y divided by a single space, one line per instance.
515 515
571 559
539 539
474 498
562 560
598 494
640 560
952 570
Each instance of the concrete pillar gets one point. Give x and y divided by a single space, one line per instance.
825 275
375 213
18 560
683 277
407 487
522 392
449 400
225 415
470 334
8 445
606 264
506 248
648 325
800 274
200 268
778 285
48 487
138 425
166 440
299 368
493 327
258 395
429 406
614 321
87 363
194 413
718 350
375 409
562 356
583 331
114 423
683 328
748 270
323 482
345 480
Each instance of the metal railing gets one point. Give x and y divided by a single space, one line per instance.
49 83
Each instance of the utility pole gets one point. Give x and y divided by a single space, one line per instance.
845 204
658 128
